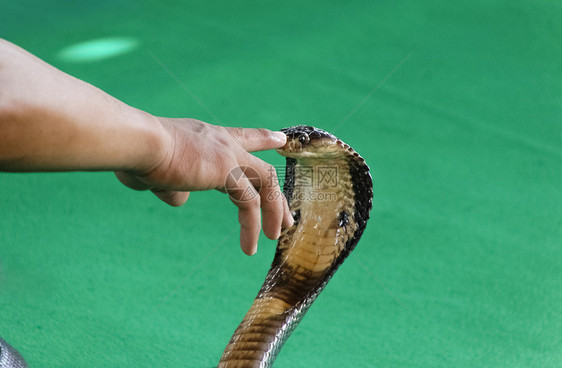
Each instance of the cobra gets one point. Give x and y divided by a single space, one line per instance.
330 192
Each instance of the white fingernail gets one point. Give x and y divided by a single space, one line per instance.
280 136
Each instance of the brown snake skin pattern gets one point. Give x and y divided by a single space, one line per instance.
330 191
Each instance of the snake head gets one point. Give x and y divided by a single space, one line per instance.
307 141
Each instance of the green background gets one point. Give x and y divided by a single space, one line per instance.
456 106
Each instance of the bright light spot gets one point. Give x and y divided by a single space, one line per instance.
100 49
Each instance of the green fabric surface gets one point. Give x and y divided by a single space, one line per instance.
456 106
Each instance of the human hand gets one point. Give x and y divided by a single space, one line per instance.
202 156
50 121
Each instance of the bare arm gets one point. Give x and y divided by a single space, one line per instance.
50 121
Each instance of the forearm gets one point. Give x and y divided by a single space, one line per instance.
50 121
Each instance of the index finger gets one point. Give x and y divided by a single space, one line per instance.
253 140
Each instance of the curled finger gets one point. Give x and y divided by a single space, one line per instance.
243 194
271 199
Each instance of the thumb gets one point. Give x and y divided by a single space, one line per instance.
258 139
173 198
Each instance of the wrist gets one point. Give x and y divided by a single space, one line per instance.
154 146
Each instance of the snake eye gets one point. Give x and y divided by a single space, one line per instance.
304 139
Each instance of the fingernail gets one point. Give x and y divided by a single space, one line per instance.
280 136
291 220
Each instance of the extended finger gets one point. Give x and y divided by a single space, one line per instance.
258 139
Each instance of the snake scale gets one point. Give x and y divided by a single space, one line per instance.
330 192
9 357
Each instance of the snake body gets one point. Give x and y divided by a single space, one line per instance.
9 357
329 190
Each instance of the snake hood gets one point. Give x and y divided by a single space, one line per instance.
318 161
